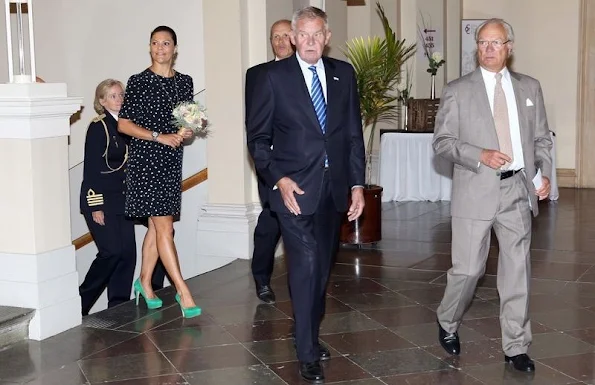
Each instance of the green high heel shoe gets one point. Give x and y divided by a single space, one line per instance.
152 303
188 312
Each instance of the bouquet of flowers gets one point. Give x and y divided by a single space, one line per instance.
191 115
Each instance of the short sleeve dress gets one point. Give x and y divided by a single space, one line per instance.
154 174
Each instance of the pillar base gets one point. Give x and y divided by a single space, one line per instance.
46 282
226 230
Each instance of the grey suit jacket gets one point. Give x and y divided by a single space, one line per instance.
465 126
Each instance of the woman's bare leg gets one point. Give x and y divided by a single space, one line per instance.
149 259
166 247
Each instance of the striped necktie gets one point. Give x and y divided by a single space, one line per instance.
319 104
318 99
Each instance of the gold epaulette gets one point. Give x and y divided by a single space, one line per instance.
94 199
98 118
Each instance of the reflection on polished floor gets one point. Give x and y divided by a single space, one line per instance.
380 323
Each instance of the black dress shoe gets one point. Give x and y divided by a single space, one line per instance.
265 294
325 354
521 362
312 372
449 341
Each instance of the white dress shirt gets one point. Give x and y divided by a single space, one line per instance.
489 79
308 75
114 115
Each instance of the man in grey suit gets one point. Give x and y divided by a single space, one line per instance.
492 125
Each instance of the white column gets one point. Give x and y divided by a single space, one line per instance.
38 259
226 226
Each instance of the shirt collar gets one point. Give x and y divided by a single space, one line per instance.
491 76
305 66
115 116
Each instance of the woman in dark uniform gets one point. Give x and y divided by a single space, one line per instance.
102 202
154 178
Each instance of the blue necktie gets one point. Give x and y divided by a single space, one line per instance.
319 103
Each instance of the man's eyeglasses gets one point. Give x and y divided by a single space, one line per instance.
496 44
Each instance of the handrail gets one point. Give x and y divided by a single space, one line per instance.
187 184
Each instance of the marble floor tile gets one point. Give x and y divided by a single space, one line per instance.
367 341
426 334
373 301
338 369
248 375
403 361
440 377
212 357
579 367
501 373
261 330
128 367
557 344
191 338
347 322
411 315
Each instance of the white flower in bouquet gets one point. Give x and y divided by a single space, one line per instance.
437 57
191 115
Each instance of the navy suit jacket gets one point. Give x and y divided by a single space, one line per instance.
280 113
251 77
103 187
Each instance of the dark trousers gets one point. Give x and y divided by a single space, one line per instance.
266 237
310 243
115 262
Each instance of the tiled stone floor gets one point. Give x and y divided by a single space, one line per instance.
380 325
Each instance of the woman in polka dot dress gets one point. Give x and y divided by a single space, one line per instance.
154 176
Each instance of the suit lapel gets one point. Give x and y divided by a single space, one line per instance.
333 93
519 95
304 101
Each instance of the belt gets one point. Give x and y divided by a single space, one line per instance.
508 174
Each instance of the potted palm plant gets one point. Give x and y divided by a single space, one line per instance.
378 63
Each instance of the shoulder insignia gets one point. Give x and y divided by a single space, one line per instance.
98 118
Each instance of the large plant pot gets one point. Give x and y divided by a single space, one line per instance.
368 227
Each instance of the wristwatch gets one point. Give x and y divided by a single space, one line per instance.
155 134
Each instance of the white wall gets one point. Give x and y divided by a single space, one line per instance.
547 48
276 10
337 15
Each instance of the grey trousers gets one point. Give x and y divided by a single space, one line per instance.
470 246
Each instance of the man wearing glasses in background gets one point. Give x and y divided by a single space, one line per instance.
492 125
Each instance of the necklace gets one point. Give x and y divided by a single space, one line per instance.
171 101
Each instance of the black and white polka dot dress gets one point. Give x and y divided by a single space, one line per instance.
154 174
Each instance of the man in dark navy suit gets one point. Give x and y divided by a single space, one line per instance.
267 232
307 108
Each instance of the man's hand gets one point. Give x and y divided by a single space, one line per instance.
494 159
357 204
544 191
288 189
